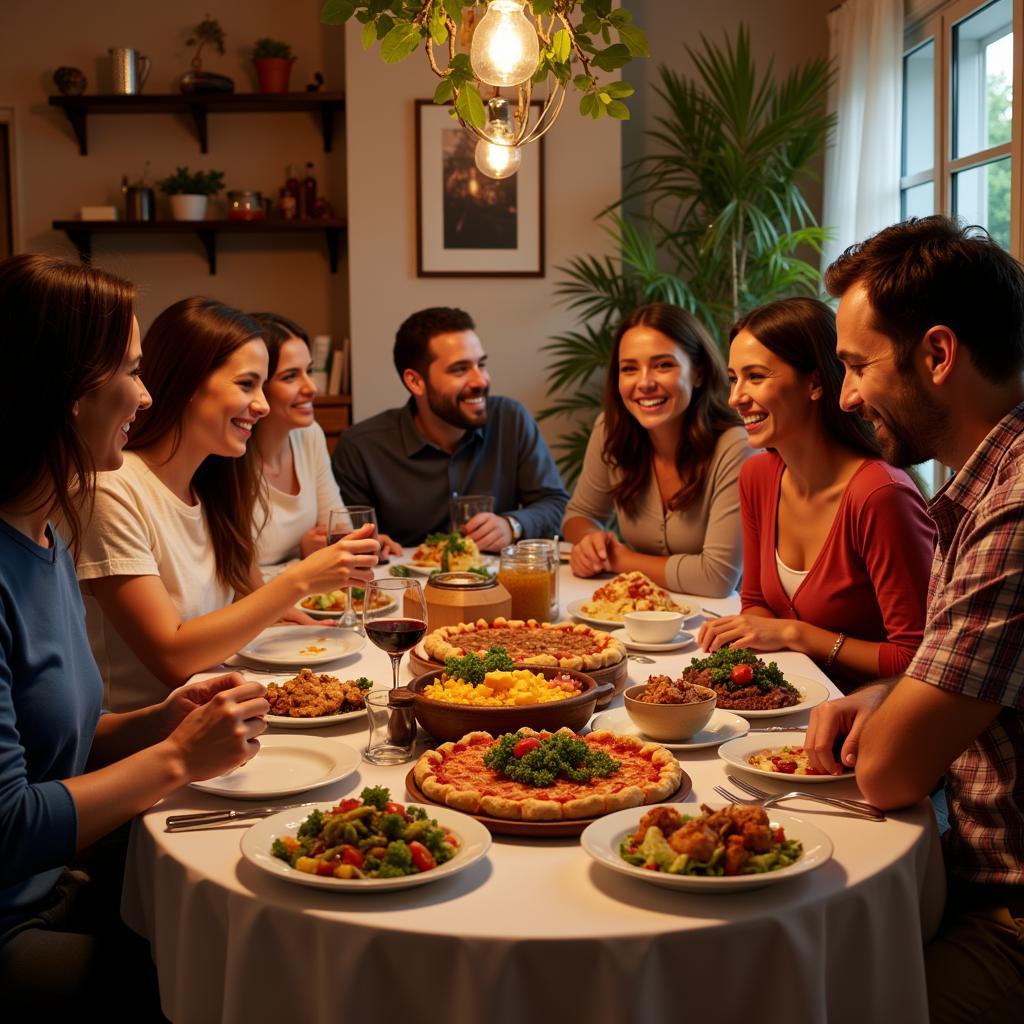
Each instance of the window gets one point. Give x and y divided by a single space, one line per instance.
962 136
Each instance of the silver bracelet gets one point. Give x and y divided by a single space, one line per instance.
840 640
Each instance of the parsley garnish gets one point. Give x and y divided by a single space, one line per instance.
558 755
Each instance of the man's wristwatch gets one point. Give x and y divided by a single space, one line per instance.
517 527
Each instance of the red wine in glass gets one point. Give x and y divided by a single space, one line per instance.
395 636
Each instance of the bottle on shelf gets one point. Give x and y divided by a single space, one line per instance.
307 204
288 197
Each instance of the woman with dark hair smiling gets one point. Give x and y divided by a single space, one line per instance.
167 563
837 543
69 775
298 483
664 456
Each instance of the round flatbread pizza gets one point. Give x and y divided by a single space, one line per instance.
455 775
561 645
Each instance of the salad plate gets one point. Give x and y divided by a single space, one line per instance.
474 842
812 693
737 752
334 613
602 839
285 765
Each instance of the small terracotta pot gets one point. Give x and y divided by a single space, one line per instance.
273 73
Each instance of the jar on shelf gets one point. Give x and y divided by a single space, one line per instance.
527 577
246 206
548 549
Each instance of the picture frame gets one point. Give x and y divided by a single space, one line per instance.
469 225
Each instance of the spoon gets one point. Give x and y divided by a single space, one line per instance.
643 658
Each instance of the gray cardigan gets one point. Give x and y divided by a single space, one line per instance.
703 541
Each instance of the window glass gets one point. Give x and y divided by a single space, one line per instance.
919 109
918 201
982 79
981 195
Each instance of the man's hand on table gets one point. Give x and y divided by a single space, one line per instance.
217 722
489 531
843 717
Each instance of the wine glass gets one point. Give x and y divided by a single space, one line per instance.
399 629
340 523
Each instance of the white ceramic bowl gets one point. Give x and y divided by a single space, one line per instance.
653 627
668 722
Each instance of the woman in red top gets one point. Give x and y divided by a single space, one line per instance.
837 545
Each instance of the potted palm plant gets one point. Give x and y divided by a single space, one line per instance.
190 192
720 223
273 62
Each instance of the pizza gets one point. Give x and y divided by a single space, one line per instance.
455 775
630 592
561 644
450 552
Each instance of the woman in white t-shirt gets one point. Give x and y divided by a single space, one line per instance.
167 563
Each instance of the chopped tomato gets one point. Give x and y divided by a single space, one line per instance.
786 767
347 805
742 675
451 839
651 866
524 746
779 834
392 808
324 867
421 856
350 855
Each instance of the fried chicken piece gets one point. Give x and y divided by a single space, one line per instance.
694 839
757 837
310 696
666 818
736 856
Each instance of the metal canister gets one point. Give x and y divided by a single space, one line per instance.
139 202
129 70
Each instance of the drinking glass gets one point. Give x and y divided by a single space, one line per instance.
389 714
463 507
340 523
400 629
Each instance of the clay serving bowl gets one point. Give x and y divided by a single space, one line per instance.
453 721
668 722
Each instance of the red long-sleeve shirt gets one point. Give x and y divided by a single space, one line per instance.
870 579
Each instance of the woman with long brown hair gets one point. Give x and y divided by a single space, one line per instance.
664 456
167 564
69 775
837 544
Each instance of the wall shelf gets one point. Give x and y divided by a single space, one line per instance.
78 109
81 232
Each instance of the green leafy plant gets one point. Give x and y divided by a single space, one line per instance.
721 224
207 33
197 183
267 47
585 32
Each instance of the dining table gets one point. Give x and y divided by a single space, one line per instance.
537 930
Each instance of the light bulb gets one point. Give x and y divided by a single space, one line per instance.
497 161
505 50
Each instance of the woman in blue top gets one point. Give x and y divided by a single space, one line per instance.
69 776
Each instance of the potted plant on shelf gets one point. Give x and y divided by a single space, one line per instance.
190 192
273 62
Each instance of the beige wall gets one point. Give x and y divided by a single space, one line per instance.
286 273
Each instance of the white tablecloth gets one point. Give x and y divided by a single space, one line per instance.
537 931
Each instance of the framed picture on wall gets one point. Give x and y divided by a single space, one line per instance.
467 224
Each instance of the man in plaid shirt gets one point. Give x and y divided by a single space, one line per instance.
931 332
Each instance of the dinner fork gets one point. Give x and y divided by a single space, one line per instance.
755 791
779 798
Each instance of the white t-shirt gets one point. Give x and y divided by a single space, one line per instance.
139 528
291 515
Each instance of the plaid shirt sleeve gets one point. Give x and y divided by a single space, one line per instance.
974 635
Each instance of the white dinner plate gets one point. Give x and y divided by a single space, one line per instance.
284 765
319 722
722 726
736 752
812 693
601 841
302 646
682 639
474 841
490 564
316 613
574 609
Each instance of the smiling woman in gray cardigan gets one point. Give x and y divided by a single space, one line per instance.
665 457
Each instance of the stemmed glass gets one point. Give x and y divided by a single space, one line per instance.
399 629
340 523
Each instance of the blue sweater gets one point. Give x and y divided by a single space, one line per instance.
50 694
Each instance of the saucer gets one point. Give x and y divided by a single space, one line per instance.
682 638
